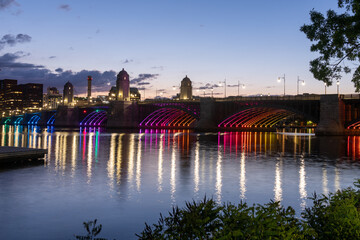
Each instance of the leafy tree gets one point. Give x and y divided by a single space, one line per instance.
337 38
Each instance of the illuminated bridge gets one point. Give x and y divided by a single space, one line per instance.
330 114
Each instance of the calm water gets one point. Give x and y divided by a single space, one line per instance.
126 179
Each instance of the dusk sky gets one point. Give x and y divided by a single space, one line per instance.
159 42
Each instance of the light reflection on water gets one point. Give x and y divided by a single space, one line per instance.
112 176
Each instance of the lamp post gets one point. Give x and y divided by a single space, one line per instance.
337 86
279 80
325 88
224 87
302 83
242 85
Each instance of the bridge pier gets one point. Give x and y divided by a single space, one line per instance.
207 115
123 114
67 117
332 116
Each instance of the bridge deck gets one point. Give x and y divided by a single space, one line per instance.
14 154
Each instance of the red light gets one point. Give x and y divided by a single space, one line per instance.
84 111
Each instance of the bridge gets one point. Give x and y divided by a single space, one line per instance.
329 114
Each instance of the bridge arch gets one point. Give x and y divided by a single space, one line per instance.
169 117
96 118
34 119
262 117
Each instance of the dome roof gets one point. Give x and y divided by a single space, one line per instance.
123 72
186 80
68 84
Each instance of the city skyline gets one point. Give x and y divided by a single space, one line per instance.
159 43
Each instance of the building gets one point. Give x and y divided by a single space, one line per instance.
52 98
135 94
186 89
68 94
112 94
32 96
89 89
123 86
10 97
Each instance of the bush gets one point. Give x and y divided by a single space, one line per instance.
335 216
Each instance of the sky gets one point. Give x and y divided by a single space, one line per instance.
159 42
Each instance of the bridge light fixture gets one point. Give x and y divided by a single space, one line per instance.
337 86
279 80
302 83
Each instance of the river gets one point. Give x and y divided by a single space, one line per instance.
125 179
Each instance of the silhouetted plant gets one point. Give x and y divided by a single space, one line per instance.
92 231
336 216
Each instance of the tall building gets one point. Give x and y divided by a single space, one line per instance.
10 96
89 89
68 94
186 89
123 86
32 95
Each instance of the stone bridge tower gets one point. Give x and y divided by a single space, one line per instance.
123 86
186 89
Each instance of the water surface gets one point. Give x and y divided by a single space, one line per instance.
126 179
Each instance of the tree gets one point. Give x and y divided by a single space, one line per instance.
337 38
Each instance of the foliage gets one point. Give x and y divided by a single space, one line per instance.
335 216
92 231
337 39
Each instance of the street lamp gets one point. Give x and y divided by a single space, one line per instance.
325 88
224 87
302 83
279 80
242 85
337 86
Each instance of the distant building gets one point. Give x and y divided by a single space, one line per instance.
135 94
186 89
89 89
52 98
10 96
123 86
112 94
32 96
68 94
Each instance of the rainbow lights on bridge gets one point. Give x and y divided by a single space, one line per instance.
94 119
256 118
168 117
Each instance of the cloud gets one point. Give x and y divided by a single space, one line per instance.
52 57
158 67
6 3
127 61
144 77
65 7
8 60
12 40
13 68
270 87
209 86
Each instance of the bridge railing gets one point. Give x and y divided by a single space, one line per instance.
271 98
350 96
